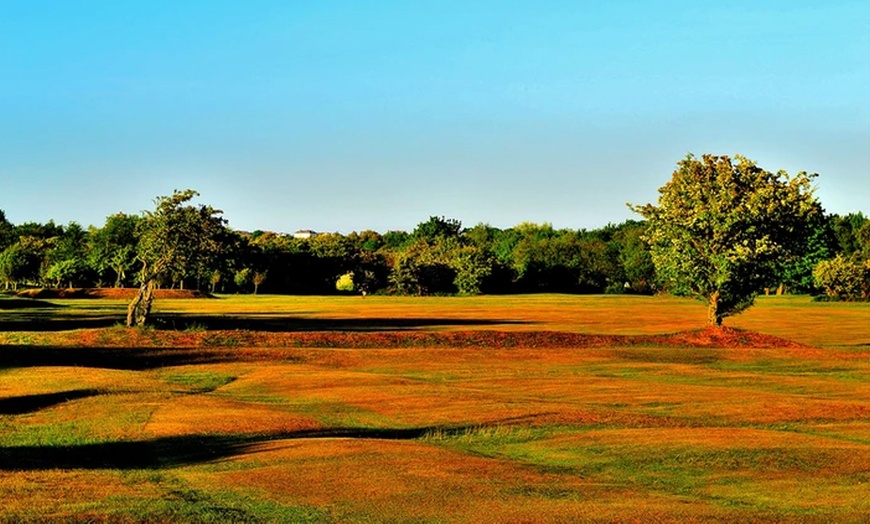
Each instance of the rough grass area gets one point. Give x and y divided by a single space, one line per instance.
524 409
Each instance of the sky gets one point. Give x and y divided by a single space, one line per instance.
346 115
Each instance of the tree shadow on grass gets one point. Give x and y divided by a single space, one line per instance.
284 323
31 403
167 452
25 303
49 320
130 359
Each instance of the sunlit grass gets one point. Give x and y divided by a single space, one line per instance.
251 426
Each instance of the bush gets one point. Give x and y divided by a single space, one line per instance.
843 278
345 283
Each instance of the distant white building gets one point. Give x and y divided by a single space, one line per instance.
305 233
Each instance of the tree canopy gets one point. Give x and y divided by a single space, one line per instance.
177 239
723 226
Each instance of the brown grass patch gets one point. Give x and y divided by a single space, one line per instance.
728 338
206 414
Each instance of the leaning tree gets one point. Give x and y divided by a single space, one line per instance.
723 227
174 238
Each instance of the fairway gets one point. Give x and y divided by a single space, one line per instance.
532 408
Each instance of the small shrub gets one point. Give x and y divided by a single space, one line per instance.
843 278
345 283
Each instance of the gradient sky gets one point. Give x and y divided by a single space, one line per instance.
340 115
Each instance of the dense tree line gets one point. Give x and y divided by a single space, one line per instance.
439 256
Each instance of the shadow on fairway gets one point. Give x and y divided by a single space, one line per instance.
131 359
30 403
25 303
284 323
52 320
49 319
170 452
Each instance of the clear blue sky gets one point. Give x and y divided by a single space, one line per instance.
341 115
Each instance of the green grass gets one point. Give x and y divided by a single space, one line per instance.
432 434
199 381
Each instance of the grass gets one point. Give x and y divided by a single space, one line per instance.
296 409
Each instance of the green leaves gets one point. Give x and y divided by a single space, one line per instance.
722 227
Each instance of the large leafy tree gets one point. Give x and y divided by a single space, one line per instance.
112 248
7 238
722 227
174 240
65 260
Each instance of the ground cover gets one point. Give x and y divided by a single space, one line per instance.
539 408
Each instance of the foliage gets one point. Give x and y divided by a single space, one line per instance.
844 278
242 277
7 236
175 240
852 234
437 227
21 261
258 278
438 257
112 248
722 227
66 270
345 283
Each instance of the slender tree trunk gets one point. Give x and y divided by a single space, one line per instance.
714 316
140 308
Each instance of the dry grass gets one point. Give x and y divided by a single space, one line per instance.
472 417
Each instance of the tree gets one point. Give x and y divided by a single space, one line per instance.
847 232
722 227
112 248
174 239
258 278
65 261
21 262
437 227
66 270
7 238
16 264
242 277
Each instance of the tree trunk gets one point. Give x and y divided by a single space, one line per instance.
714 316
256 286
140 308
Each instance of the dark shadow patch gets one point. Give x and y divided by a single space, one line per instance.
52 320
176 451
31 403
130 359
284 323
25 303
45 321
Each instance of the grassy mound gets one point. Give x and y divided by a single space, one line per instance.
724 338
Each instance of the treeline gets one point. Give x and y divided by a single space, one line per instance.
438 257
